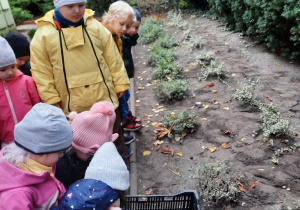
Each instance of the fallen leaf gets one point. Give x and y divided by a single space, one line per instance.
140 88
166 151
178 174
215 102
179 154
149 192
177 138
198 103
186 70
157 148
277 64
138 101
226 108
173 114
162 131
224 144
212 149
144 72
204 119
193 64
147 153
214 91
268 97
137 105
242 189
253 184
208 85
227 132
156 124
169 78
206 107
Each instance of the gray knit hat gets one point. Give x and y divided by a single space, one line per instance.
7 55
108 166
60 3
44 130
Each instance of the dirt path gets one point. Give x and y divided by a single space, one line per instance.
249 153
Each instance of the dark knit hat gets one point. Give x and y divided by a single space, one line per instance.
19 43
137 14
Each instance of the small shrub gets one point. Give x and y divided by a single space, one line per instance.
175 19
280 151
165 70
20 15
213 70
216 182
273 122
31 33
159 53
165 41
181 124
245 92
171 90
150 30
205 59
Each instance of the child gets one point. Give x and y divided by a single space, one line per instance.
75 63
20 45
107 172
91 129
118 20
18 93
27 165
129 39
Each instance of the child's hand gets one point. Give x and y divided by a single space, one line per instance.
115 205
120 94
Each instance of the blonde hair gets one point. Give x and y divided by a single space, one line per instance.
118 9
15 155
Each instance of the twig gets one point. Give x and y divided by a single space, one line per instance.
178 174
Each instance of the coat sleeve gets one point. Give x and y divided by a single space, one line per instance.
17 200
42 71
33 93
114 60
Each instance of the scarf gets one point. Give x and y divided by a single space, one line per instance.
64 22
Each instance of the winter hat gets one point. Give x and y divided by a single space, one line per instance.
87 194
7 55
60 3
19 44
95 127
137 14
44 130
108 166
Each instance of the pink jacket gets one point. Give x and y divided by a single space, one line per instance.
17 97
27 191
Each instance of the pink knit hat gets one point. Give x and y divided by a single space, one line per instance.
95 127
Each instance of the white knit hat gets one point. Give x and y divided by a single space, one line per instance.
60 3
7 55
108 166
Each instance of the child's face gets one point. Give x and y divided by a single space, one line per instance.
22 60
7 73
73 12
120 26
47 159
134 29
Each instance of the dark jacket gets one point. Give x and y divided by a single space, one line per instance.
70 169
128 42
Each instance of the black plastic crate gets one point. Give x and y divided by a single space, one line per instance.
186 200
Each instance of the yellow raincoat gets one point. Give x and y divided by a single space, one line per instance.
78 67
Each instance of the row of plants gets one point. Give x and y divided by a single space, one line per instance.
275 23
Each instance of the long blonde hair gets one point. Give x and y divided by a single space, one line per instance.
118 9
15 155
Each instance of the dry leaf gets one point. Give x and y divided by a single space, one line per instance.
149 192
268 97
166 151
198 103
215 102
138 101
186 70
214 91
253 184
147 153
208 85
162 131
177 138
193 64
137 105
227 132
179 154
204 119
212 149
173 114
242 189
169 78
226 108
277 64
206 107
157 148
156 124
224 144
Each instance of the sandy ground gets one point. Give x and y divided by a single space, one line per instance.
248 154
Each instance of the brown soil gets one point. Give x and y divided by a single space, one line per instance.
249 153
